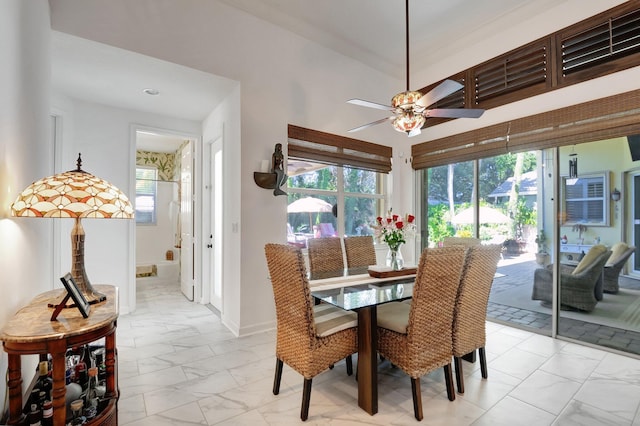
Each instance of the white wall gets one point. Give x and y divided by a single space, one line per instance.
287 79
105 136
25 156
153 241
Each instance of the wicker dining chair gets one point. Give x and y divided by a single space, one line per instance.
469 318
416 337
359 251
310 338
325 256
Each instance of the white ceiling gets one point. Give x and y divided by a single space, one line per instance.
371 31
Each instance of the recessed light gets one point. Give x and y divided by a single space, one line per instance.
152 92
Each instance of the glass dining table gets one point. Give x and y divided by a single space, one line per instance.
356 290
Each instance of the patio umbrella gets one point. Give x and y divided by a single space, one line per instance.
309 205
487 215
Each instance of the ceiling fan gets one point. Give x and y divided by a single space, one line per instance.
410 108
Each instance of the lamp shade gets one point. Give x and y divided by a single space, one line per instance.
74 194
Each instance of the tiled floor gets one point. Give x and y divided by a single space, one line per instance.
179 366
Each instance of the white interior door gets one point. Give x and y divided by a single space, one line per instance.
186 221
215 218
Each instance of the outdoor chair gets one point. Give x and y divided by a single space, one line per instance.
310 338
360 251
325 257
577 284
416 337
469 318
620 253
327 230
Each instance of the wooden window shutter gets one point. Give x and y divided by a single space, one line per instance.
592 48
337 150
517 74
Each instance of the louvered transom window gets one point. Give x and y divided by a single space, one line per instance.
616 38
525 68
585 200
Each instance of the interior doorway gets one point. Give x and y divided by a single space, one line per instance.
163 229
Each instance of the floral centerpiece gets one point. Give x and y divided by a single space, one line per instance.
394 230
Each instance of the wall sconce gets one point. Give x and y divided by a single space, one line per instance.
615 195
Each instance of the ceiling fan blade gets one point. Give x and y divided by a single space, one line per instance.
442 90
382 120
370 104
454 113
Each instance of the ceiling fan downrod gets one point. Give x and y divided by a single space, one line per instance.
407 39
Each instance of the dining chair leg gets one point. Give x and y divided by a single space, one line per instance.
306 398
448 378
277 377
459 374
417 398
483 362
349 362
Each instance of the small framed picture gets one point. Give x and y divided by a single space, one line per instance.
78 298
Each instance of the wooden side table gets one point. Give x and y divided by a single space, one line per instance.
30 331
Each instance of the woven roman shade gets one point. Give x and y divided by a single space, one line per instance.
337 150
606 118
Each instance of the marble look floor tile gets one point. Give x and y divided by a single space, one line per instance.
500 342
202 387
617 397
573 366
517 363
513 412
542 345
167 398
580 414
618 366
131 409
236 401
485 393
179 365
585 351
546 391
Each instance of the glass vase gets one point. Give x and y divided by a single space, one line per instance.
394 259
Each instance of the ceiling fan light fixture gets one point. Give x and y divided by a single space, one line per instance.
408 121
406 100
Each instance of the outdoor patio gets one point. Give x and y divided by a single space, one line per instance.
510 303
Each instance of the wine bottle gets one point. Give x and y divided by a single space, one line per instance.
35 416
47 414
90 396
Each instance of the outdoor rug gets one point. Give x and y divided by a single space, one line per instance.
621 310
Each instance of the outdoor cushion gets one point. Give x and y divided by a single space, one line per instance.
617 250
330 319
394 316
589 258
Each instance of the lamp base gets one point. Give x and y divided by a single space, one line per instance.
77 268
